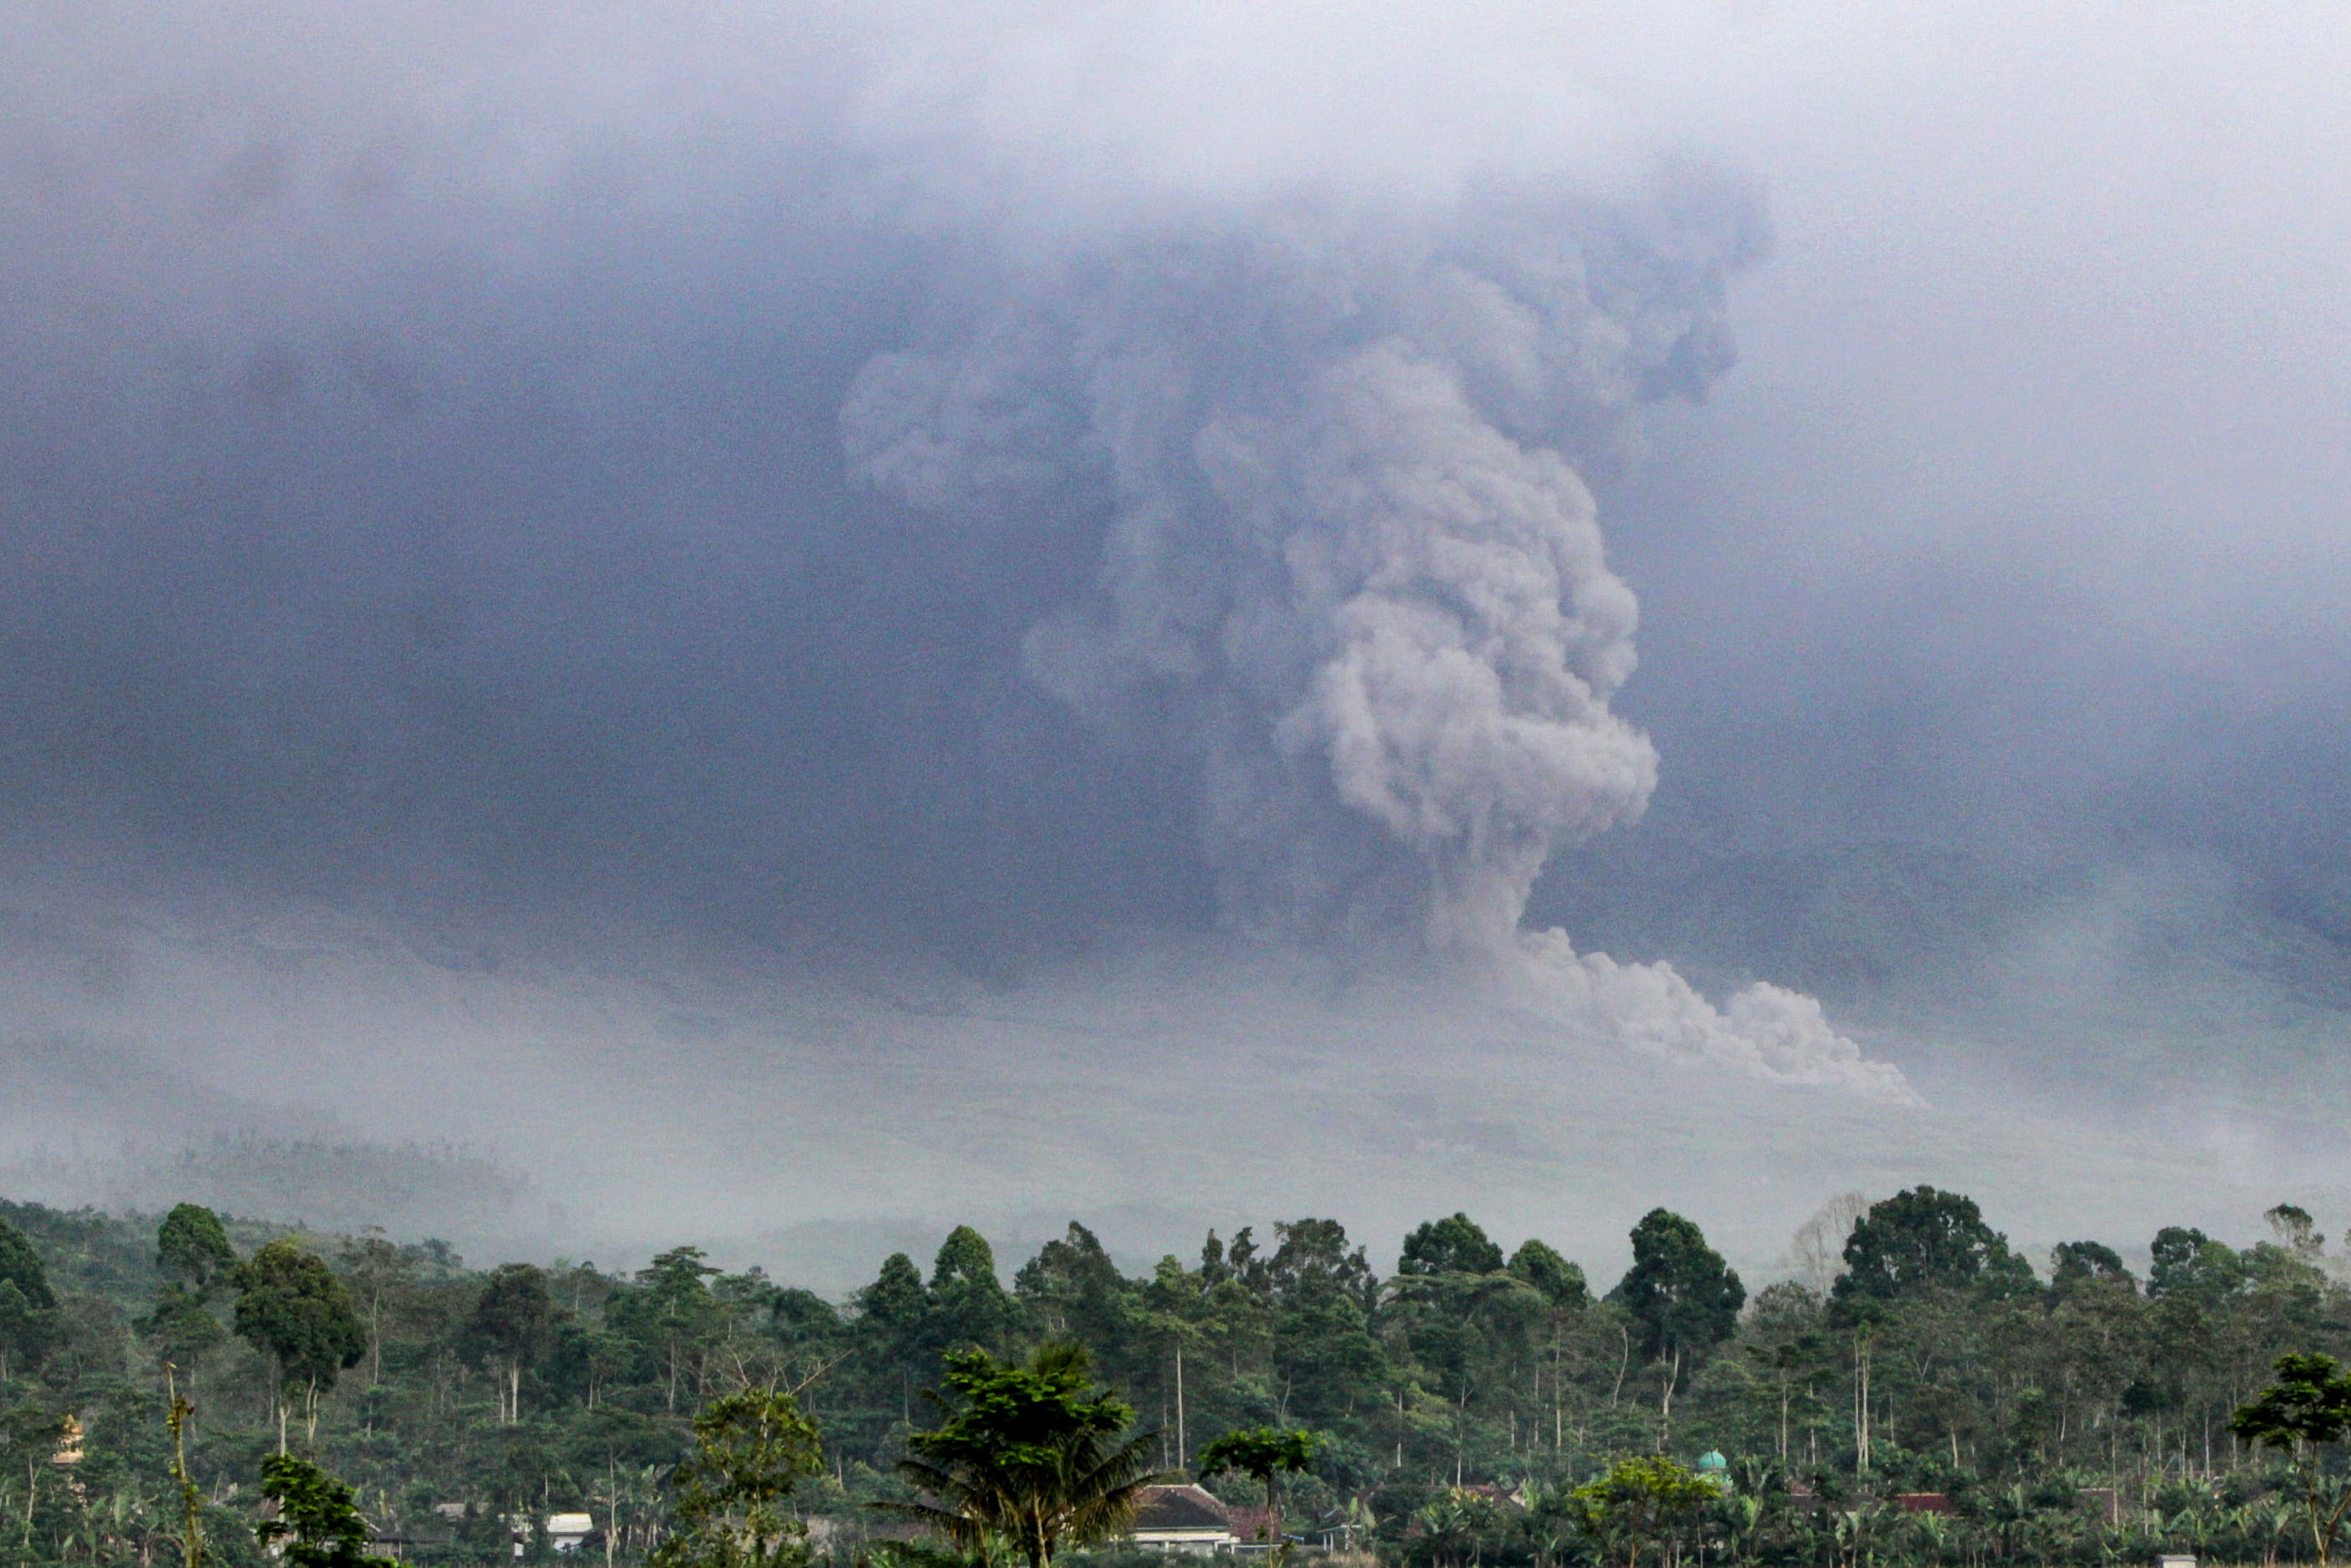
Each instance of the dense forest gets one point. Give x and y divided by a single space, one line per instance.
1920 1393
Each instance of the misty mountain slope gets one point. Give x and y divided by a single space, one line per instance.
802 1112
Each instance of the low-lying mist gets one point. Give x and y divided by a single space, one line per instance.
813 1110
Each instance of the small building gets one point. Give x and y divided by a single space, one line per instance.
1183 1518
1924 1502
69 1441
566 1532
2174 1560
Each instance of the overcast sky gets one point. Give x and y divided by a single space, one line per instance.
431 479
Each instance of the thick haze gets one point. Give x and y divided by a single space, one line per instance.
585 567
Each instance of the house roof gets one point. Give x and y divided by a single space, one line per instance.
1180 1508
1253 1523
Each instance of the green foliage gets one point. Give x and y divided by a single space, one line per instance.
1030 1454
1451 1246
318 1523
2306 1409
192 1250
21 1267
1682 1297
1265 1453
968 1307
2074 1264
291 1305
1923 1239
751 1448
894 1305
27 1307
1539 1265
1455 1411
2296 1232
511 1326
181 1327
1640 1505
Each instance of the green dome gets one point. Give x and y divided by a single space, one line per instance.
1710 1462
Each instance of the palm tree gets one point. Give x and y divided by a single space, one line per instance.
1030 1454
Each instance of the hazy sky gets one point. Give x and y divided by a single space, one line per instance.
430 479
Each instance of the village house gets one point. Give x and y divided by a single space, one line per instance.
1183 1518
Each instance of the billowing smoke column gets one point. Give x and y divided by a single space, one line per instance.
1348 570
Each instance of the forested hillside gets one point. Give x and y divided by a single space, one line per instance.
2068 1413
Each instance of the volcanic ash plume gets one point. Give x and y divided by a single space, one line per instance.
1347 570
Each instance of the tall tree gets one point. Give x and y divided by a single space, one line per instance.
1540 1265
969 1306
192 1250
2296 1231
1639 1503
1682 1297
1455 1244
2184 1262
1074 1291
292 1306
26 1303
1924 1239
318 1523
510 1327
892 1313
1032 1454
193 1255
2075 1264
1312 1262
672 1311
751 1449
2307 1410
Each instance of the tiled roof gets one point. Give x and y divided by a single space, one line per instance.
1179 1507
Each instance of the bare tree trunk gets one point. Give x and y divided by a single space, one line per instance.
1182 1452
1861 1399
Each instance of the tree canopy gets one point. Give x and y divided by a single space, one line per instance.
751 1448
1265 1453
1455 1244
1923 1239
318 1523
192 1250
2307 1409
1032 1453
291 1304
21 1267
1455 1413
1682 1297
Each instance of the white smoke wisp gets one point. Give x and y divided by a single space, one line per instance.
1765 1031
1348 569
